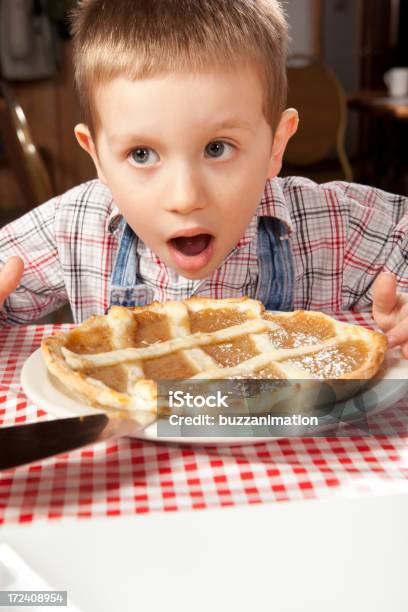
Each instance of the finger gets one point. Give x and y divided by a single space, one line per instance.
404 350
10 276
384 293
398 334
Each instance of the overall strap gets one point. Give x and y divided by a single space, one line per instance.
126 288
276 269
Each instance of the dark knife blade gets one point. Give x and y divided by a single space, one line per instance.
22 444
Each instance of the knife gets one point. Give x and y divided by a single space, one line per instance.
22 444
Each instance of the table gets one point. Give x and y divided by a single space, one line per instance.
136 524
378 102
382 136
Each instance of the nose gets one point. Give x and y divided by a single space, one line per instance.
184 194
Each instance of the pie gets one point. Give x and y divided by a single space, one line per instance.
114 361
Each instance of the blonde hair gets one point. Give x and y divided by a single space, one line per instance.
139 39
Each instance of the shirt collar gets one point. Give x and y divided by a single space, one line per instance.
273 203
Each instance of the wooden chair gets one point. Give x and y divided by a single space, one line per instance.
27 165
23 156
317 149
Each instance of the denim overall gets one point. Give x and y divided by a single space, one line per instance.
275 275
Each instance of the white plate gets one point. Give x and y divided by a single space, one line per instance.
39 389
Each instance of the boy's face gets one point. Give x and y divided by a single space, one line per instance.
186 157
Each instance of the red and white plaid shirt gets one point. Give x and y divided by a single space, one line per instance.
342 236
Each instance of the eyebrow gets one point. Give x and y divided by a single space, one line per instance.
232 123
221 125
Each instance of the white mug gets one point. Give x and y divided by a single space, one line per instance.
396 80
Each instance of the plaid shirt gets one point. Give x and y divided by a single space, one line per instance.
342 236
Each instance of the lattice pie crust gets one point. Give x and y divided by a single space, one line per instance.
113 361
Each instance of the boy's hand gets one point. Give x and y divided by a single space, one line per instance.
10 276
390 311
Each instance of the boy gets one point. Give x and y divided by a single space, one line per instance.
183 104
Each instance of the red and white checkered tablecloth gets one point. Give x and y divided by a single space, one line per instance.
133 476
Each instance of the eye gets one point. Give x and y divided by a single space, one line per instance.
218 147
141 156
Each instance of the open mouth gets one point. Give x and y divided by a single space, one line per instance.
191 253
191 245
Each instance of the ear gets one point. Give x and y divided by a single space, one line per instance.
287 127
85 140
